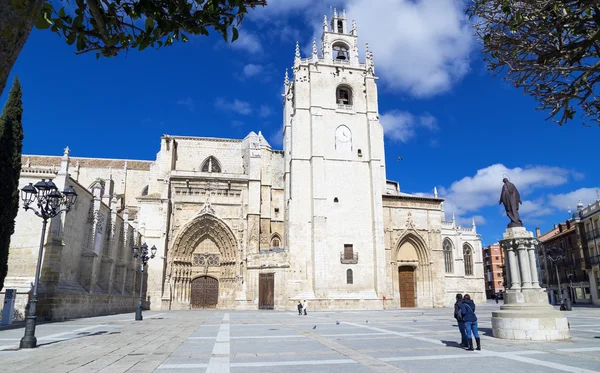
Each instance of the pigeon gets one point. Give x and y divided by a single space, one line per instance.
367 321
337 323
314 327
399 158
414 320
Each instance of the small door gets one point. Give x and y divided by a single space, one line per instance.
406 278
205 292
266 291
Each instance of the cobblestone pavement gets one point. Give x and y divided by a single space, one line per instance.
415 340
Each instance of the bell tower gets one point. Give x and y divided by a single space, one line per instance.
334 172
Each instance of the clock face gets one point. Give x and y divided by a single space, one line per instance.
343 134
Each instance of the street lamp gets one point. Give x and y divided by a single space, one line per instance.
142 254
555 254
50 203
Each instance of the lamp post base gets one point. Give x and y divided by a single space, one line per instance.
29 340
138 314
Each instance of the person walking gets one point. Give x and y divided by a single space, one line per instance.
460 321
304 306
300 308
468 315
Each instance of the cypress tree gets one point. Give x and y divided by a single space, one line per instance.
11 143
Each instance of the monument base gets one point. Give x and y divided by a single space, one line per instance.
530 319
526 314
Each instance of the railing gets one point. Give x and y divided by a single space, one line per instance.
341 62
345 107
593 234
346 260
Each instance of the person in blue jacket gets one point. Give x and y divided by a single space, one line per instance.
468 315
460 321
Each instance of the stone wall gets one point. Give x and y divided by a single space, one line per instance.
87 267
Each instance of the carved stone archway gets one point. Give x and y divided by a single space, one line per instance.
411 251
206 246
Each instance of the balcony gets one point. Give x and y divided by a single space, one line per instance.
593 234
345 259
341 62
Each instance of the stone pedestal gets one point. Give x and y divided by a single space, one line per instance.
526 313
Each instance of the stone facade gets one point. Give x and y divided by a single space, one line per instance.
239 225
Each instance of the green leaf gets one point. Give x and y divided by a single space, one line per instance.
235 34
149 24
61 12
80 43
43 21
71 37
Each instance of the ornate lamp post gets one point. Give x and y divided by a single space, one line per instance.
50 203
555 254
142 254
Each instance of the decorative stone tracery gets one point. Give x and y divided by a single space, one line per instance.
206 246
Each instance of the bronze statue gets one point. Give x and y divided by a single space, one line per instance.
511 199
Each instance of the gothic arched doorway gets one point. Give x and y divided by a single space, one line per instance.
205 292
414 272
201 270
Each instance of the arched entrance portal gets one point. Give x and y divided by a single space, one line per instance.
413 270
201 270
205 292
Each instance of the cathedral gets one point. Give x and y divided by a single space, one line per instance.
240 225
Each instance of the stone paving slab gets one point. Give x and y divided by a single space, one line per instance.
220 341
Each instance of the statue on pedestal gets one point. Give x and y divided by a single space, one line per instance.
511 199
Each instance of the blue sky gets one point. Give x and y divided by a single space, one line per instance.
455 126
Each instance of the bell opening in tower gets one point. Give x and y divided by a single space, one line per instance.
340 27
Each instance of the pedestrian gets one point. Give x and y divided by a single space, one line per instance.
468 315
304 306
496 297
460 321
300 308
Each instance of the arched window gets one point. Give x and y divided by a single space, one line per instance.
145 191
468 259
343 95
211 164
340 53
340 27
275 242
448 256
349 277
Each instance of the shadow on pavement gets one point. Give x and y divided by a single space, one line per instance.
452 344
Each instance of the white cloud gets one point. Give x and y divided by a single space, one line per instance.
188 103
420 46
251 70
402 126
565 200
264 111
468 221
535 208
237 106
470 194
247 42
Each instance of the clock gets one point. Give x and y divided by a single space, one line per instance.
343 134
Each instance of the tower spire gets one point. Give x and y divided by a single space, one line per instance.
286 81
325 26
354 28
435 194
297 56
335 15
315 53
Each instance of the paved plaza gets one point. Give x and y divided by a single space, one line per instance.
415 340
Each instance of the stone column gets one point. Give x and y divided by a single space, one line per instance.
526 314
533 267
512 270
524 267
